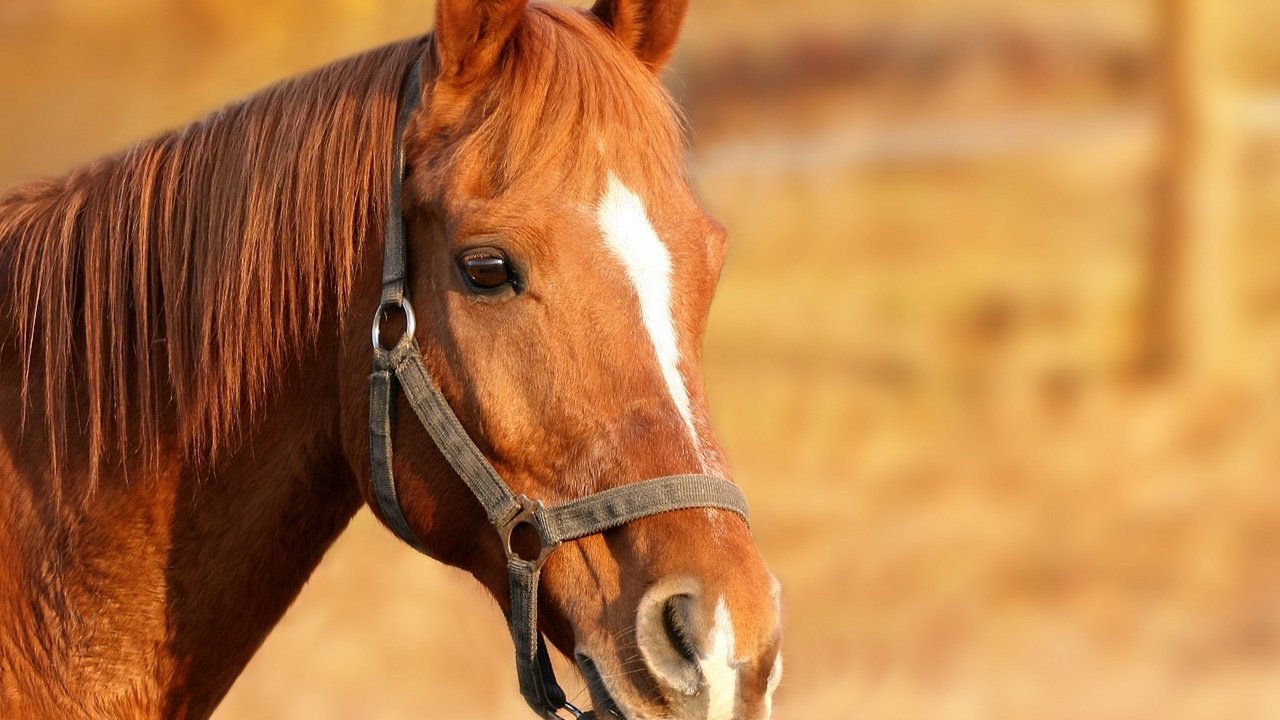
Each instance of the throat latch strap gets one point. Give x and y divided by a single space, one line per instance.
401 368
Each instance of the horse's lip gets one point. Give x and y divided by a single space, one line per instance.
605 707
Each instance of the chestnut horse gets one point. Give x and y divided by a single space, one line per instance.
184 369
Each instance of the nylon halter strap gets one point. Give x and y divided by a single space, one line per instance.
402 367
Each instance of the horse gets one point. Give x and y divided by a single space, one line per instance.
185 413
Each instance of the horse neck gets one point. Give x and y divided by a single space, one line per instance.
148 595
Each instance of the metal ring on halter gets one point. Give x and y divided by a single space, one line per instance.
525 517
410 324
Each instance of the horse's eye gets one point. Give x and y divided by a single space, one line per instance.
487 270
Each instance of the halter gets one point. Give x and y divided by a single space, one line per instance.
402 366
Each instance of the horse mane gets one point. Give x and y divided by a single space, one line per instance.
175 279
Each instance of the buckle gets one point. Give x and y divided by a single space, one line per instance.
525 516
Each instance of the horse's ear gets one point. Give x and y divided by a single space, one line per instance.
648 27
471 35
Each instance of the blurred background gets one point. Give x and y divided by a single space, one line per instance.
996 356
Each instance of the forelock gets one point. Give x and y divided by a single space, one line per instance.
571 104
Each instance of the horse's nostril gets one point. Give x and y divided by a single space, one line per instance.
678 621
671 635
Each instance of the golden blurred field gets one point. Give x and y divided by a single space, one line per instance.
996 354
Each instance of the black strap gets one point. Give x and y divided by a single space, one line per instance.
394 257
381 403
402 366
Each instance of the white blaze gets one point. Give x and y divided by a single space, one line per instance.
630 235
719 668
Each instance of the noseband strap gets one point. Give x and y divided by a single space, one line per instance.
401 367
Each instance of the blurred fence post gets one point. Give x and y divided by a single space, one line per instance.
1194 303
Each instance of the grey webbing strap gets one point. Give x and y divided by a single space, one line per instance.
381 403
618 506
394 267
574 519
455 444
533 666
